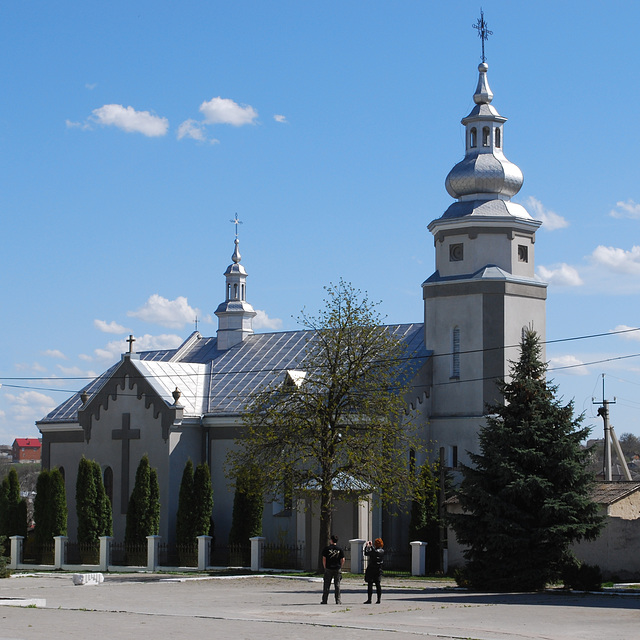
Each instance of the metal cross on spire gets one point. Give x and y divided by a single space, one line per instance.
236 221
483 31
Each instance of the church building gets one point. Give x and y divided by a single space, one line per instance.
187 403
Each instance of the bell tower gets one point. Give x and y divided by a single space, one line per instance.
483 291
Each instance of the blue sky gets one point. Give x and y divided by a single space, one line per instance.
132 132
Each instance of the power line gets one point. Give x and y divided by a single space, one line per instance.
404 359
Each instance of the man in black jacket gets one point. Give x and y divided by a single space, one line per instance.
332 561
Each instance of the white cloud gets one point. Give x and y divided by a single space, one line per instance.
263 321
569 364
173 314
130 120
562 275
550 220
109 327
29 405
54 353
618 260
36 366
77 125
194 130
628 209
147 342
225 111
91 86
85 357
280 118
632 332
76 372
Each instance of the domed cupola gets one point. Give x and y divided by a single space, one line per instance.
484 173
235 314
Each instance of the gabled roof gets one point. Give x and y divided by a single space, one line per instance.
218 382
28 442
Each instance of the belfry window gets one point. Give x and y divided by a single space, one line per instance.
498 138
235 291
473 138
486 136
455 353
456 252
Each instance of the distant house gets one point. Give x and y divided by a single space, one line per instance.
26 450
6 453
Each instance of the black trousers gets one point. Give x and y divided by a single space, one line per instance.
334 575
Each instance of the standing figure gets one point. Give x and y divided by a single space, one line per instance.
373 572
332 561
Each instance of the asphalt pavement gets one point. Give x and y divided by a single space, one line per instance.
165 606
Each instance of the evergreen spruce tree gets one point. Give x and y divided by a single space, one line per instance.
87 503
57 507
184 517
41 511
16 507
4 507
104 511
246 518
143 512
202 500
136 525
527 498
153 514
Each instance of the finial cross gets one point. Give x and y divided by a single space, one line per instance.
130 340
236 221
483 31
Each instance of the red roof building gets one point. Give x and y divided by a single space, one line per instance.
26 450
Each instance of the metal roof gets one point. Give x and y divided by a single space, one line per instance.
218 382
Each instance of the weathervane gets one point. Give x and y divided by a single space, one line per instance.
483 31
236 221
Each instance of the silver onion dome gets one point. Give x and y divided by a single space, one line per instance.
484 173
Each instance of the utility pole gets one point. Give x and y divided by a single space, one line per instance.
610 439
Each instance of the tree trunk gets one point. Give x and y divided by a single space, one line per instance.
326 513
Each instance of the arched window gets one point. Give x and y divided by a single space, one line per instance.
455 352
228 291
473 138
243 292
108 483
486 136
235 291
498 140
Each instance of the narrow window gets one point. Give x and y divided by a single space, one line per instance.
228 292
473 138
235 291
108 483
486 136
498 138
243 292
455 353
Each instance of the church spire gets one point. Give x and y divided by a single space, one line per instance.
235 314
484 173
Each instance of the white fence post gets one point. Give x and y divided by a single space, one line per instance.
204 552
152 552
16 551
60 551
105 552
357 560
257 553
418 557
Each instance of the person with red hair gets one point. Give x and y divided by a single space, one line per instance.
373 574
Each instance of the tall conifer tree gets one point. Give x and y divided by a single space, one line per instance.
527 498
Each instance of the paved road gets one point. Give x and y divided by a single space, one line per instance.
269 608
